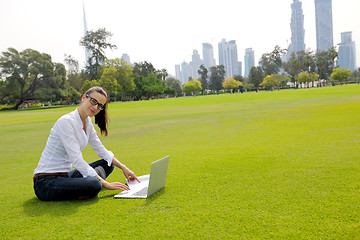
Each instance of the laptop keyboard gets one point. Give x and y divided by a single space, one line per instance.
142 192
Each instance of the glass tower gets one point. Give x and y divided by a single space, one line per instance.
297 29
249 60
208 55
347 53
324 25
229 58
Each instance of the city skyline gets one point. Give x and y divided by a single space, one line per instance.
161 32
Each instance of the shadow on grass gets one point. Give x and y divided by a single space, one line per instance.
35 207
147 202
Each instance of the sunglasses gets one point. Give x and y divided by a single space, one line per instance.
94 102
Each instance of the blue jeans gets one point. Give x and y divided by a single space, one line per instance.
72 186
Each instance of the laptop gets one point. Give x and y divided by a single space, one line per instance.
149 184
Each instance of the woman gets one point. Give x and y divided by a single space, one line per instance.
53 179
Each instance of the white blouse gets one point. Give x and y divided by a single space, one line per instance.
66 141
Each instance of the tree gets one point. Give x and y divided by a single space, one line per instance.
192 86
74 76
143 68
161 74
203 77
292 67
174 84
216 77
231 84
271 62
324 64
109 82
121 71
355 75
305 77
96 42
256 76
274 80
89 84
340 74
30 75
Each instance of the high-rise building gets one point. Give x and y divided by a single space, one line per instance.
195 64
229 58
208 55
297 29
87 51
185 72
249 60
324 25
178 72
347 53
126 58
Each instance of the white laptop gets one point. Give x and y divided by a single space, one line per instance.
149 184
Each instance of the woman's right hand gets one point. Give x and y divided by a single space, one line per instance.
115 186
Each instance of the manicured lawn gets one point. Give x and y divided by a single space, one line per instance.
267 165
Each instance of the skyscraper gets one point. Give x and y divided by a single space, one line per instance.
195 64
249 60
324 25
208 55
229 58
347 53
297 29
126 58
87 52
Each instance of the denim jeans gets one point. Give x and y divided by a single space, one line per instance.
72 186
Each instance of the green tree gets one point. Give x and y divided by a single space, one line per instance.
30 75
89 84
274 80
217 75
203 77
122 72
271 62
340 74
161 74
231 84
109 82
256 76
143 68
174 84
292 67
73 74
192 86
96 42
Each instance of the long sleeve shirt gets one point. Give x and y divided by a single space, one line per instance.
66 141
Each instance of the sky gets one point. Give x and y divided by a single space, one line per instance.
164 32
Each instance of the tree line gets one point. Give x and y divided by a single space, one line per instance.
30 75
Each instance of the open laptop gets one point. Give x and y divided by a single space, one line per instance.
149 184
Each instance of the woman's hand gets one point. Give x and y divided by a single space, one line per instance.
130 175
115 186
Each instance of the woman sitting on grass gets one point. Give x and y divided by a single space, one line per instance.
53 179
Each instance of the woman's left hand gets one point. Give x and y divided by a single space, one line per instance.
130 175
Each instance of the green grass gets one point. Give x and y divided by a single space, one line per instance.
268 165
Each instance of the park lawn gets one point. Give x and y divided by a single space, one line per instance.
267 165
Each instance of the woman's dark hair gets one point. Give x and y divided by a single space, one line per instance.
101 119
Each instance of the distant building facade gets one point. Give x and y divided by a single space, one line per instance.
208 55
126 58
324 25
347 52
249 60
229 58
297 29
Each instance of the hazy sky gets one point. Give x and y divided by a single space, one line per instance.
164 32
